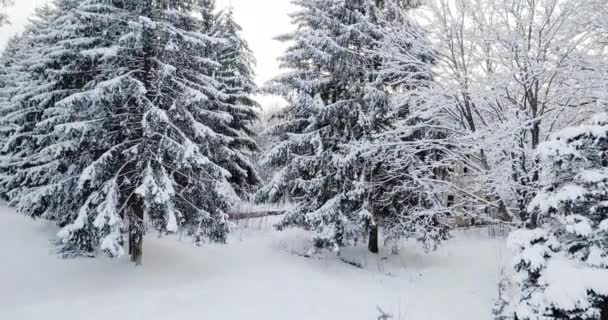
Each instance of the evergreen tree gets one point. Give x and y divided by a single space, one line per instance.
50 151
159 168
411 158
37 83
134 130
237 84
11 75
335 101
562 266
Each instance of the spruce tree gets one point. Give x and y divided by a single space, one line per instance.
50 151
159 168
11 76
335 101
136 132
236 79
561 267
342 136
410 158
39 82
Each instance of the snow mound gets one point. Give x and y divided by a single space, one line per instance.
568 283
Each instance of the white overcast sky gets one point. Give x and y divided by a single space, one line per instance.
262 20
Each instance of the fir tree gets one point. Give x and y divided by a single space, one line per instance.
411 158
562 266
341 136
135 131
334 101
40 83
237 84
50 152
11 76
159 168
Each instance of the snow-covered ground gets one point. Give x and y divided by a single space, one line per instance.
256 276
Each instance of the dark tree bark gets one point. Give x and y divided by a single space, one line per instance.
373 239
136 230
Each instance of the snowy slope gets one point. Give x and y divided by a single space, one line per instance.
256 276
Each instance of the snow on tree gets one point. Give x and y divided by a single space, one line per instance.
3 16
46 168
409 160
512 73
159 169
36 83
331 104
562 266
11 74
143 136
237 82
339 103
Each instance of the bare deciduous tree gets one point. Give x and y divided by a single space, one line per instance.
509 73
3 16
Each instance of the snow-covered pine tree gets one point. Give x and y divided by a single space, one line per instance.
136 145
561 267
237 83
49 153
11 74
159 171
335 101
36 83
411 158
207 14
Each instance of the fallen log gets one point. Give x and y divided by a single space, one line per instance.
254 214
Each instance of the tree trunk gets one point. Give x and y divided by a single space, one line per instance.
130 243
137 241
136 230
535 135
604 310
373 239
